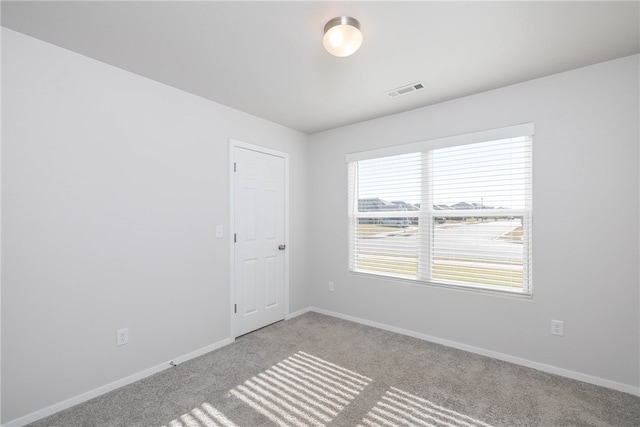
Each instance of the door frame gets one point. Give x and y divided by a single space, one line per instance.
233 144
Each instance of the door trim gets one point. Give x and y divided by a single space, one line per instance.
233 144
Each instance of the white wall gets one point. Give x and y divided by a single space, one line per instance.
585 233
112 187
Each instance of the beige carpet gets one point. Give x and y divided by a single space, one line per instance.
316 370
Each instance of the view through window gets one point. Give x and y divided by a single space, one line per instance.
458 215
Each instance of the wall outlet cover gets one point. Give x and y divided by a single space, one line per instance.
557 327
122 336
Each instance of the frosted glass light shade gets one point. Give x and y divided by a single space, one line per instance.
342 36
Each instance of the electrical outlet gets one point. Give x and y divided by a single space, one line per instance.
557 327
332 287
122 336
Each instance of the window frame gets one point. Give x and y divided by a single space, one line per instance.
427 216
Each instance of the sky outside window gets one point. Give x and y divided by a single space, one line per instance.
490 174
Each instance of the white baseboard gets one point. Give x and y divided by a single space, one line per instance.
489 353
297 313
50 410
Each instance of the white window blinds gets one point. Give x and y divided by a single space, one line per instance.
456 215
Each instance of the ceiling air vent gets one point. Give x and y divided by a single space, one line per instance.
405 89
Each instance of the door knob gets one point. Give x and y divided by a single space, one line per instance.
282 247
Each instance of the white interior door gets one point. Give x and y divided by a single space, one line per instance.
259 247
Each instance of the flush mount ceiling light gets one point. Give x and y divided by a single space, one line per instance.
342 36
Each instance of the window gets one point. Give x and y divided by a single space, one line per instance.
455 211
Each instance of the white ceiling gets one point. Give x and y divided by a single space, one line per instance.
266 58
